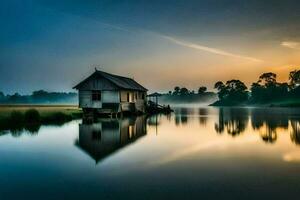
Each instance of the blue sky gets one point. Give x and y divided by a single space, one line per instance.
52 45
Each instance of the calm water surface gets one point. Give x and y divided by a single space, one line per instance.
208 153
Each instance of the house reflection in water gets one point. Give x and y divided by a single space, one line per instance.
105 137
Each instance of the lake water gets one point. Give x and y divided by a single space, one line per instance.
195 153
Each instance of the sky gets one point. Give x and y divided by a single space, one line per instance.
53 45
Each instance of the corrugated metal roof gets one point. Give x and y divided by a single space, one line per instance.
120 81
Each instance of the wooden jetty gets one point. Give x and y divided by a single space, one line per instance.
153 107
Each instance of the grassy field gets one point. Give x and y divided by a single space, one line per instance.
30 117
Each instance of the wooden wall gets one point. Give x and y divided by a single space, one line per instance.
85 98
110 96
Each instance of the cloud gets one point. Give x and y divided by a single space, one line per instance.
187 44
291 44
210 50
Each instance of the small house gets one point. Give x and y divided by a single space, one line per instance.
108 93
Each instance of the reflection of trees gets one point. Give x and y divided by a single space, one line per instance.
32 128
203 120
168 117
295 134
232 120
268 135
18 130
177 120
182 116
219 127
267 121
203 112
272 119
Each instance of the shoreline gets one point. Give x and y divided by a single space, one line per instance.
269 105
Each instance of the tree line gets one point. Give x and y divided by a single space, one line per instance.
185 95
40 96
184 91
265 90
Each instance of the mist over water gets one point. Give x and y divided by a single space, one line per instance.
199 101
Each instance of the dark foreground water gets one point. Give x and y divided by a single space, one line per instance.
196 153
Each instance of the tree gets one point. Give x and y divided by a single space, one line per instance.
267 78
257 91
39 94
294 78
221 89
219 85
176 90
2 96
15 97
233 92
237 90
235 85
266 89
184 91
202 90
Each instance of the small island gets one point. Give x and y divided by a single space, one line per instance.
265 92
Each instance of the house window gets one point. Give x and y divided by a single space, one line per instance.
143 95
96 95
136 96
